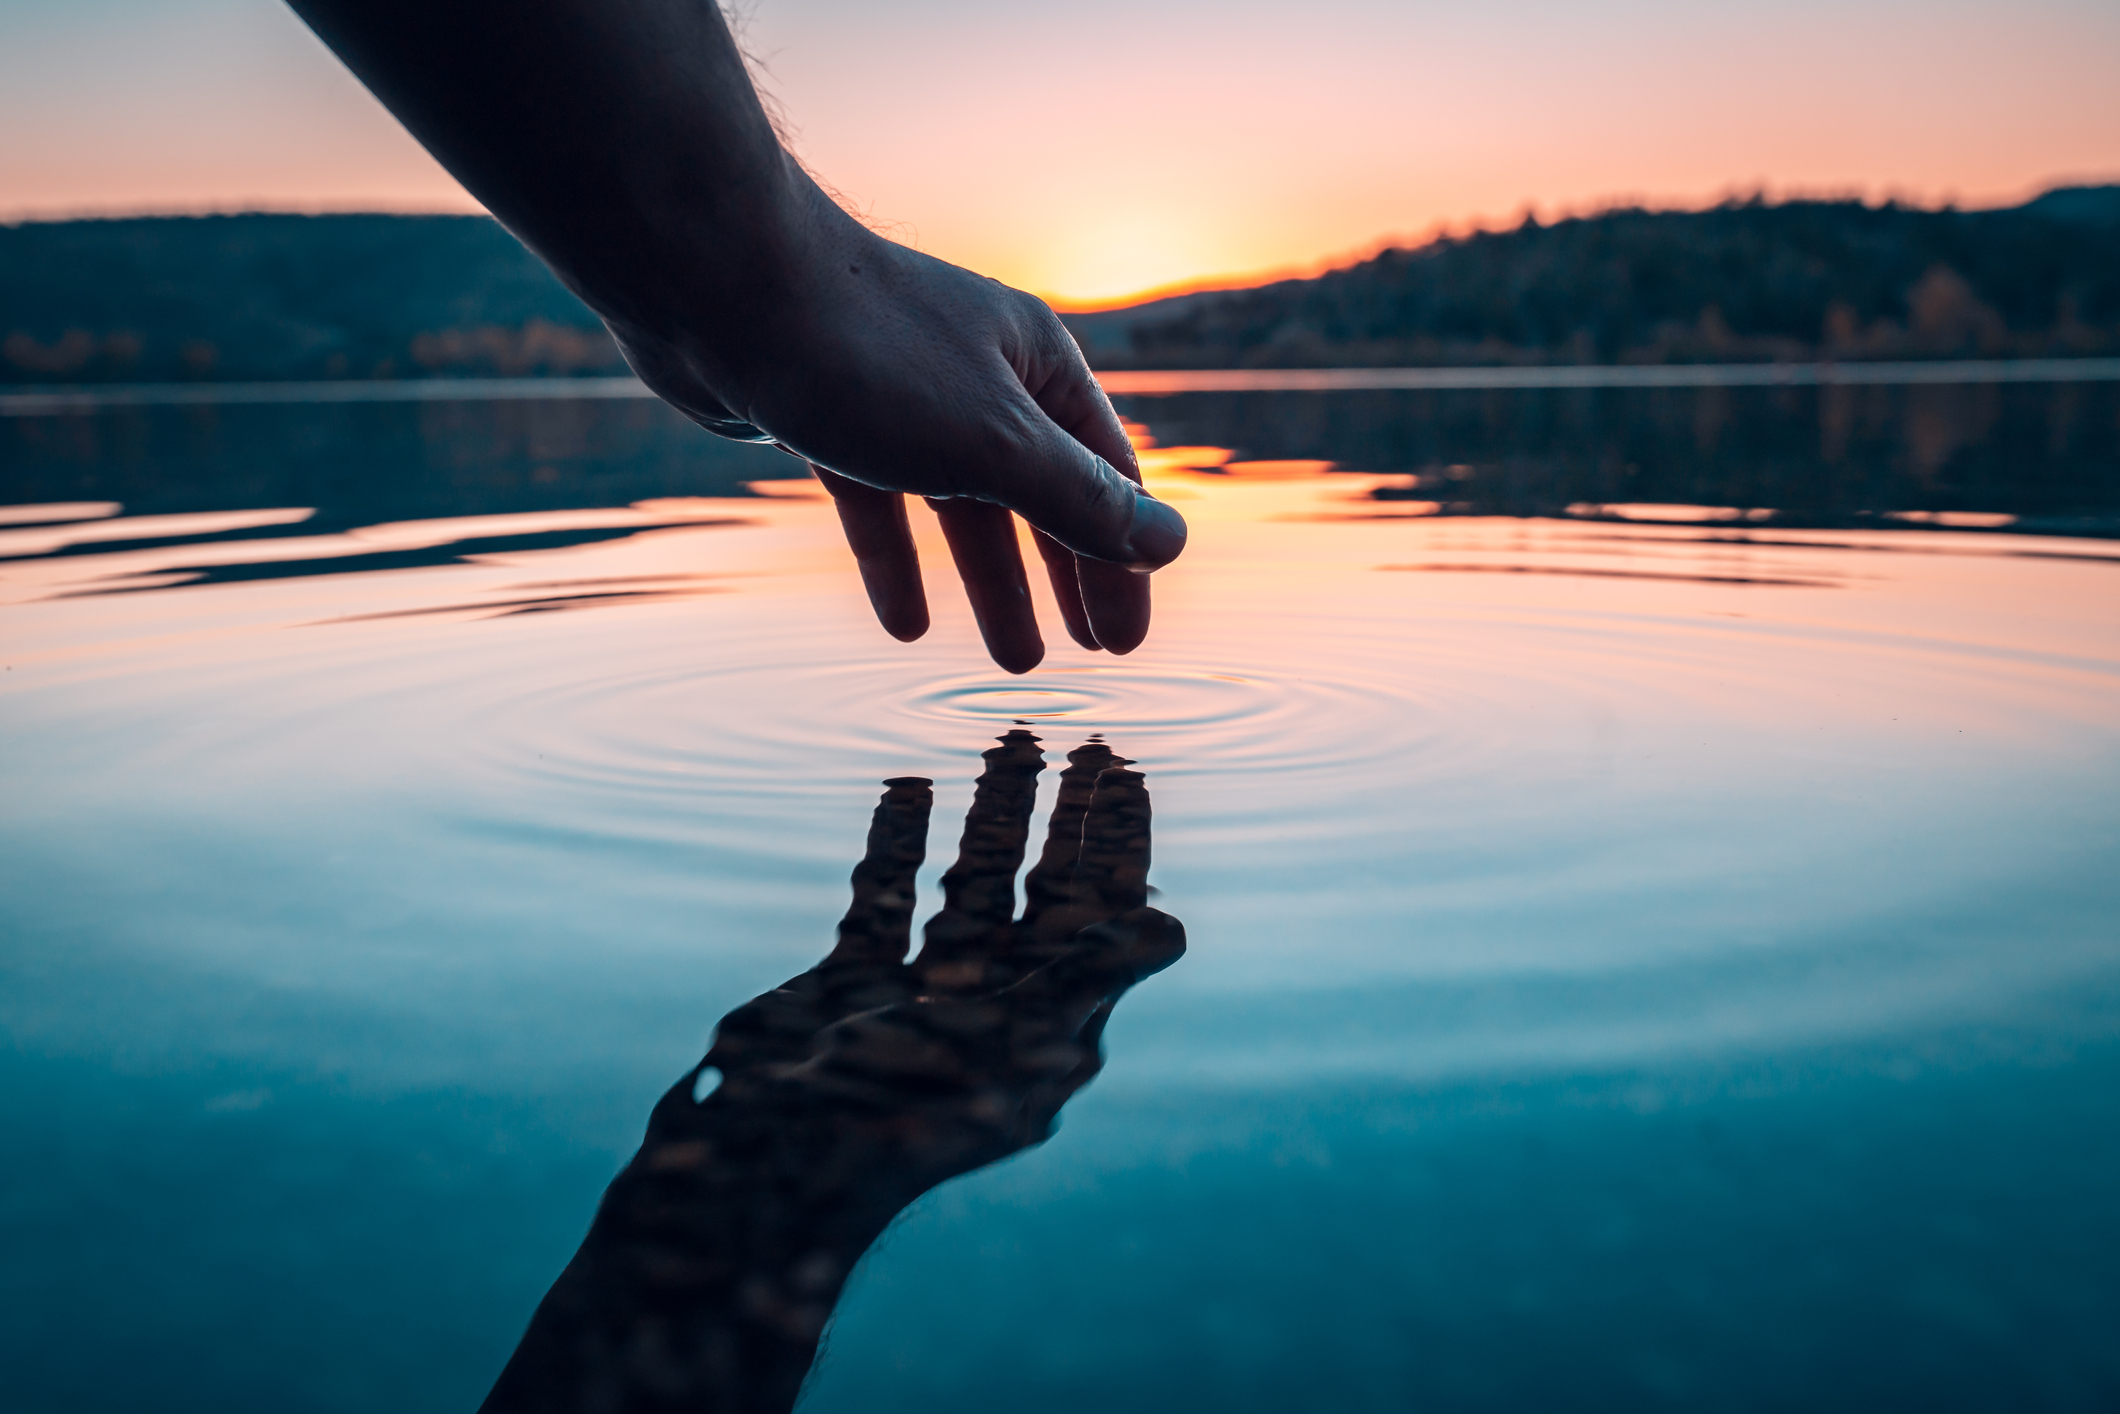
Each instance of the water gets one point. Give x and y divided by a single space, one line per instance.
1652 952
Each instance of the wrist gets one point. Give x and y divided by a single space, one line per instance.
710 295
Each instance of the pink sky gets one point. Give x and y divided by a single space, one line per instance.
1112 148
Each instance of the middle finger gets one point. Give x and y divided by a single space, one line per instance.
982 540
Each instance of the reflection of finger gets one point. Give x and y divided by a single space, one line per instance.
979 891
1060 565
982 540
1049 894
1102 871
1106 960
881 538
878 927
1115 838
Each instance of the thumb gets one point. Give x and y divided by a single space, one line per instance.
1103 961
1088 505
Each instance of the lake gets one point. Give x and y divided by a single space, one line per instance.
1648 856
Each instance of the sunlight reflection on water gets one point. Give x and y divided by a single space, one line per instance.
1549 745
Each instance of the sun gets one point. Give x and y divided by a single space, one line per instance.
1106 258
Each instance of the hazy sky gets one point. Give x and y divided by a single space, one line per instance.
1092 150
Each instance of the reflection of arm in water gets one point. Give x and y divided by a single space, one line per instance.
716 1257
623 142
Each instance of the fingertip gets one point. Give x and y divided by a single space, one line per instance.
1117 603
1016 658
982 540
1156 535
906 623
896 593
881 538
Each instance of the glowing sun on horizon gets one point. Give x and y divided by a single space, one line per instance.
1107 258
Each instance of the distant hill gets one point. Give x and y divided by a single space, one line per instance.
293 297
284 297
1743 281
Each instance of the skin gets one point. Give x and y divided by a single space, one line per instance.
623 142
716 1257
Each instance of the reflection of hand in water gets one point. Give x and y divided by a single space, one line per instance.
715 1260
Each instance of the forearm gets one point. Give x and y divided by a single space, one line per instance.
621 140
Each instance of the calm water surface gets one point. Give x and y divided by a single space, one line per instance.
1652 944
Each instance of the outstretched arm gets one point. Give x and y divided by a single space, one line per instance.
623 142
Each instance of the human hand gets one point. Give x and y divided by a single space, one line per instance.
624 143
891 372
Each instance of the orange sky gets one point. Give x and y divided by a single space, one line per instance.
1112 147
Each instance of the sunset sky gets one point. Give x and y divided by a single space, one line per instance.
1095 150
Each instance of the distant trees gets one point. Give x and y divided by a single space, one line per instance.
284 297
1743 281
287 297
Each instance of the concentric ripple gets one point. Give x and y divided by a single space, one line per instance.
1355 775
661 730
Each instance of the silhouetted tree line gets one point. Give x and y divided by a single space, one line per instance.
1745 281
369 296
284 297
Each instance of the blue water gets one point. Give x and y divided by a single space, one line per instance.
1644 958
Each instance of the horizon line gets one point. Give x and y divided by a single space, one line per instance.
1875 195
33 400
1553 214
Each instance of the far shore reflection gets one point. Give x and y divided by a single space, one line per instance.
1851 451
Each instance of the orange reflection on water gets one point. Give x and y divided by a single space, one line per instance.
1295 572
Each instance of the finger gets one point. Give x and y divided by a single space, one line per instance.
1112 874
881 538
878 927
1108 959
1104 872
1081 498
1114 600
775 1028
1076 402
1060 565
979 891
1049 889
982 540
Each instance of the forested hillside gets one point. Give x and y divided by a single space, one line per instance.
275 297
1743 281
293 297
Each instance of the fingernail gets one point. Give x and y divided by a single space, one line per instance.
1156 535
